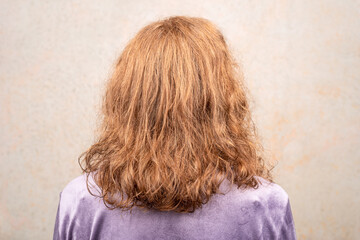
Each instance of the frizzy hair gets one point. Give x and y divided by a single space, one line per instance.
176 121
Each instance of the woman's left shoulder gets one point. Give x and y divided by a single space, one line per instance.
77 188
76 205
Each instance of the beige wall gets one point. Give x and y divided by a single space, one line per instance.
302 64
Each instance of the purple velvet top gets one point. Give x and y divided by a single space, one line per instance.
262 213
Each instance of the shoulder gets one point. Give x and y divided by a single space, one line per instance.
75 185
268 200
266 191
277 214
270 197
263 212
77 189
272 192
77 209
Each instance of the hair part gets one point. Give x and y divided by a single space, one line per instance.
176 121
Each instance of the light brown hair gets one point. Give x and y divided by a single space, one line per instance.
176 121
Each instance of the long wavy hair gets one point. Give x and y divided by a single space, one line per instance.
176 121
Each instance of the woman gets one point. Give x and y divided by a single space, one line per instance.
177 155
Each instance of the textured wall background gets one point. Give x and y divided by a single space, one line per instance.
301 61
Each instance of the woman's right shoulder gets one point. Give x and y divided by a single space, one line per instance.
268 199
277 213
266 207
271 192
266 191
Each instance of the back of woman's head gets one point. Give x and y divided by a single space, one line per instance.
176 121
